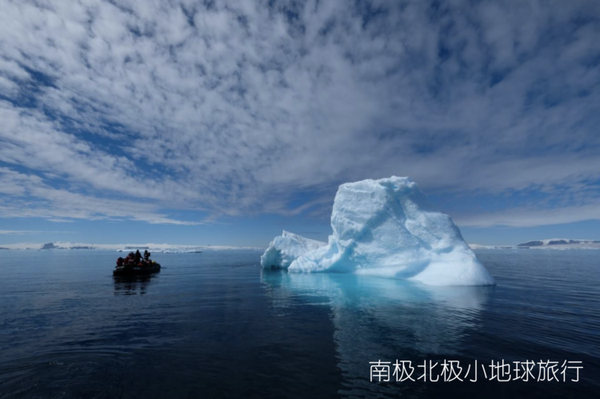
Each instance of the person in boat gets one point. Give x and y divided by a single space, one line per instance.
129 258
147 256
138 257
120 261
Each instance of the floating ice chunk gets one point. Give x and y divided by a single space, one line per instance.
285 248
387 228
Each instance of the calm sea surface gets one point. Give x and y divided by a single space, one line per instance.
215 325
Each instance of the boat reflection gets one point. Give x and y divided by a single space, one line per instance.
132 285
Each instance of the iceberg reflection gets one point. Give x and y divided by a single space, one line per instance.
380 318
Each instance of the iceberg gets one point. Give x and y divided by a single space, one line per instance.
286 248
387 228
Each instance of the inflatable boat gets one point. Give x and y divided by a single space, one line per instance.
136 270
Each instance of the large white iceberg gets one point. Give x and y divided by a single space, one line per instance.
283 250
387 228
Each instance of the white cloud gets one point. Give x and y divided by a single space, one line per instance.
525 217
235 108
31 197
26 232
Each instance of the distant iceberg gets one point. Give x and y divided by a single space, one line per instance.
384 228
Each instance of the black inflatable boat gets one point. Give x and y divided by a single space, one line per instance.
136 270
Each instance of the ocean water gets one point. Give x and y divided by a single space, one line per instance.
215 325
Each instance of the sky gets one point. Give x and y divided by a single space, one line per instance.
223 123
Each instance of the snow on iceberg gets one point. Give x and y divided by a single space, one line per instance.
387 228
286 248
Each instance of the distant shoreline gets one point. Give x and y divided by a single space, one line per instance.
152 247
553 243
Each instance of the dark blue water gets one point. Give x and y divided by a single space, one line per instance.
215 325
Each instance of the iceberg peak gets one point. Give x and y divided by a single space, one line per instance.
386 228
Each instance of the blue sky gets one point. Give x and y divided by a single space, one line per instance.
226 122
